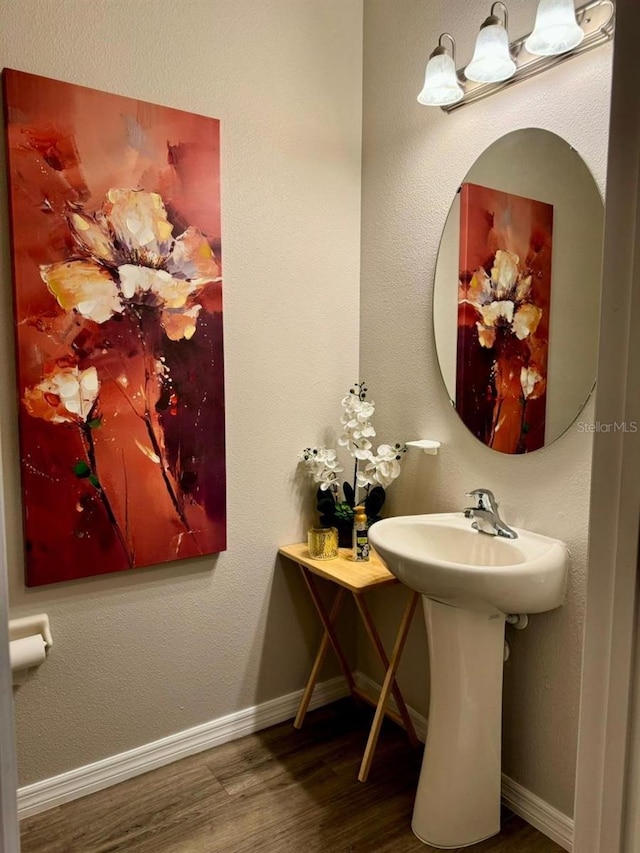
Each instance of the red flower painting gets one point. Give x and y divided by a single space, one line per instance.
503 317
118 304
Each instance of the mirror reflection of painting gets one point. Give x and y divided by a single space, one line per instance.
503 317
524 164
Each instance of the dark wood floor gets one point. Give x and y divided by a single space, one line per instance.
281 791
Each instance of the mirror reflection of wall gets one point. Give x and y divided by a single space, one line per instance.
539 165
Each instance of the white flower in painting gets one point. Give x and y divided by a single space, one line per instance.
135 281
532 382
85 287
192 259
66 395
504 273
180 325
130 257
492 312
502 299
138 220
526 320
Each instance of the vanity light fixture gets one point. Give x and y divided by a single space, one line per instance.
553 40
556 30
492 62
441 85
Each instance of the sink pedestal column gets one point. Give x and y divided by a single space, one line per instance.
458 798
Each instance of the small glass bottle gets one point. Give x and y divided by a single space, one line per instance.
360 535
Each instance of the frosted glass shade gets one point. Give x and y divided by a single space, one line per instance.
491 61
556 30
441 85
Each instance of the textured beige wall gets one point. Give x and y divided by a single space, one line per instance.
413 161
141 655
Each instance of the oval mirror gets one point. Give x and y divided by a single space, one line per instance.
517 291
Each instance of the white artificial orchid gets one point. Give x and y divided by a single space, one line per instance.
383 468
322 464
371 470
357 425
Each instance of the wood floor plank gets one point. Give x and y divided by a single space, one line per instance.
280 790
114 818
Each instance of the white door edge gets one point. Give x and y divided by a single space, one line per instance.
609 648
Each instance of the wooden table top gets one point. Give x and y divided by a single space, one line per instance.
343 570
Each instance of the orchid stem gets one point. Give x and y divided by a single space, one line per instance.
355 482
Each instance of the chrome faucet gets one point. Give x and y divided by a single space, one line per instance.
485 515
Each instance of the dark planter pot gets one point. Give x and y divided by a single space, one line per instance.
345 535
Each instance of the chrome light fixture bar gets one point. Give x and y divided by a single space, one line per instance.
597 20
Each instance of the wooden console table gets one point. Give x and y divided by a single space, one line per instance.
356 578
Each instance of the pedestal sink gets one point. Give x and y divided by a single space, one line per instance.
470 582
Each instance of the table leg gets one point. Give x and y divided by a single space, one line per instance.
389 682
328 620
377 643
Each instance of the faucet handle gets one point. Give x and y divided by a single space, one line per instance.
483 499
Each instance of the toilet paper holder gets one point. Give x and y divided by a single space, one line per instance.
26 626
29 641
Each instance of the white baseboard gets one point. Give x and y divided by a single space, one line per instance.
52 792
553 823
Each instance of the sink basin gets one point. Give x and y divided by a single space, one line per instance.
442 557
470 581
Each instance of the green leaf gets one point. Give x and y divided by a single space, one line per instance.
81 469
96 423
95 482
344 512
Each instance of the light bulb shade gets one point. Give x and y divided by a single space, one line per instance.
556 30
441 85
491 61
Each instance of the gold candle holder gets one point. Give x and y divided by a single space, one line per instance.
323 543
